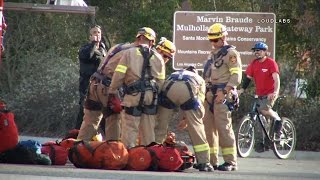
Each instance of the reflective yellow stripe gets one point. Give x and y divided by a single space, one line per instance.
229 150
214 150
201 96
138 52
121 68
201 147
162 76
235 70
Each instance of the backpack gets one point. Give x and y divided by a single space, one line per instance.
9 135
58 154
139 158
99 155
32 145
165 158
23 154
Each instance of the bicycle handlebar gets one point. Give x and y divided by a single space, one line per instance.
264 97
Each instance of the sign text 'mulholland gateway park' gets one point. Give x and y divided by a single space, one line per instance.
244 30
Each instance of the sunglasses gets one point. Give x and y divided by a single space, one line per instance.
214 40
257 50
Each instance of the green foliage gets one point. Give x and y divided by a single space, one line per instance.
44 101
305 116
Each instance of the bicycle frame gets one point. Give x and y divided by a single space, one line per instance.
255 114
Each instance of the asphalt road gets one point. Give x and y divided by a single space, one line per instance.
302 165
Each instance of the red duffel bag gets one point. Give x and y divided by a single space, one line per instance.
139 158
187 156
58 154
167 158
9 135
99 155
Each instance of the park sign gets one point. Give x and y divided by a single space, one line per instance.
244 30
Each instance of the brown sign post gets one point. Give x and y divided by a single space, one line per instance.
244 30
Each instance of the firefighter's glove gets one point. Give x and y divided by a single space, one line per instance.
235 99
114 103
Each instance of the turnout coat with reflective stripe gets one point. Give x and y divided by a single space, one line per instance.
230 71
129 71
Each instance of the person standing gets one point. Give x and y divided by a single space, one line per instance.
90 56
265 73
99 110
191 88
141 71
223 72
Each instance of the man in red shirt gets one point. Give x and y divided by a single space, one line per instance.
265 73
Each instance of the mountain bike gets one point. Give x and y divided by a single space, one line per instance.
282 144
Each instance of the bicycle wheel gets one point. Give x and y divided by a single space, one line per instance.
285 143
245 137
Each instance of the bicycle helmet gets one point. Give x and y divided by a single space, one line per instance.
260 45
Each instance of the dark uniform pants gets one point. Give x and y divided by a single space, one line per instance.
83 89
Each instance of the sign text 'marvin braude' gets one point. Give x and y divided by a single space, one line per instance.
244 30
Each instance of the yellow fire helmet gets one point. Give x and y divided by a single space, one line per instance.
167 46
147 32
217 31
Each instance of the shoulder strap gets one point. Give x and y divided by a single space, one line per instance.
222 52
145 67
117 49
146 63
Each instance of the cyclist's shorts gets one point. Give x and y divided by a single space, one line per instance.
266 104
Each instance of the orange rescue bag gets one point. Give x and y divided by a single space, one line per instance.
139 158
99 155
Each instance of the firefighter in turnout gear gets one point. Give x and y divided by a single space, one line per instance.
141 71
223 73
97 104
191 88
90 56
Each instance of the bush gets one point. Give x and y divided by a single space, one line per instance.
305 115
45 102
